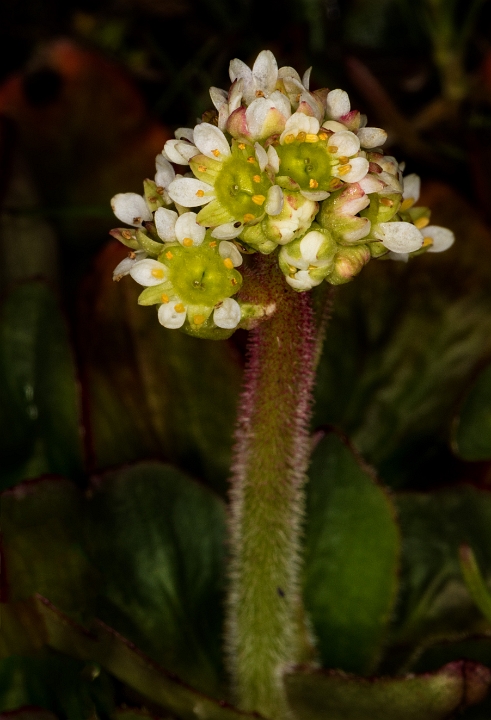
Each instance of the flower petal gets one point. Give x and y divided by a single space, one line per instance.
371 137
188 229
274 200
125 266
190 192
273 159
238 69
310 245
334 125
227 316
149 272
265 72
288 72
165 222
184 133
337 104
306 78
169 317
179 152
281 103
358 170
165 173
316 195
235 95
228 231
229 250
261 155
412 187
302 281
400 237
443 238
345 142
131 209
370 183
218 97
211 141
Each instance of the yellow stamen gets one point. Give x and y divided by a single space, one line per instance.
202 168
311 138
344 169
199 319
241 146
179 308
160 190
292 275
386 201
289 139
248 217
343 160
312 267
313 183
137 220
422 222
258 199
228 263
213 243
157 273
407 203
164 298
187 242
335 183
259 93
323 136
251 159
332 148
169 255
257 178
427 241
301 136
216 152
292 269
132 255
126 234
200 193
233 281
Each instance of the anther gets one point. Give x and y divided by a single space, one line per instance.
187 242
332 149
258 199
313 183
179 308
251 159
343 160
289 139
311 138
164 298
160 190
323 136
257 178
169 255
427 241
200 193
132 255
241 146
213 243
344 169
386 201
126 234
421 222
233 281
137 220
407 203
301 136
199 319
259 93
202 168
248 217
335 184
216 152
157 273
228 263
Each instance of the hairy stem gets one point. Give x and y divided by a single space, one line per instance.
265 614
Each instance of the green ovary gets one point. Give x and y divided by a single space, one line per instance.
199 275
239 182
307 164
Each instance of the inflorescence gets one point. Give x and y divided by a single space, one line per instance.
275 168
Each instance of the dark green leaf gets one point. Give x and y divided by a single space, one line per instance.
403 342
321 695
473 431
351 559
39 411
42 544
155 392
158 539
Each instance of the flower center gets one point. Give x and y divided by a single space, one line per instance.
309 164
240 186
199 275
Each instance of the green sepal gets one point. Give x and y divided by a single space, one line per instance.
211 171
378 212
287 183
349 261
153 295
150 246
255 236
126 237
214 214
152 196
416 213
377 249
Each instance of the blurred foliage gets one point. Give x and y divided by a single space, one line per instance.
107 543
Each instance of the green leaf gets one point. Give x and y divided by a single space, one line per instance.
324 694
351 558
434 601
158 540
130 666
39 410
404 340
472 434
67 687
152 391
42 544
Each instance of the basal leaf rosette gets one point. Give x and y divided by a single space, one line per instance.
275 169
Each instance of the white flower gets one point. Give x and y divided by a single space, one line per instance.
411 191
229 250
172 314
400 237
149 272
183 228
131 209
442 238
258 82
371 137
126 265
227 315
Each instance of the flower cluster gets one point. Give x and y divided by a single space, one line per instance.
276 168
